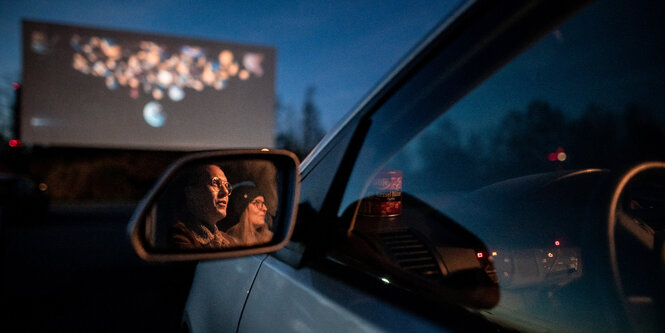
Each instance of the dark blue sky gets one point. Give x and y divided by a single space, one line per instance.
343 48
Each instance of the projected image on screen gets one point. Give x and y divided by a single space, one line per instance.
91 87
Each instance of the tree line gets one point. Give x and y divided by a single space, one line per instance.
302 136
524 140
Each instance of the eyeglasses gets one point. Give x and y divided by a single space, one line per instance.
219 184
259 204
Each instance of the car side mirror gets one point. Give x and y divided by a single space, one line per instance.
216 205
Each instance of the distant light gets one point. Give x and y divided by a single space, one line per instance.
550 255
479 255
16 85
154 114
157 94
225 58
265 149
43 187
252 61
39 122
494 254
558 155
640 300
385 280
176 93
164 78
15 143
219 84
557 243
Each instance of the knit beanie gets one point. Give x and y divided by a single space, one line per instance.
239 199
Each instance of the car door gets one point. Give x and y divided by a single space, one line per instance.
218 294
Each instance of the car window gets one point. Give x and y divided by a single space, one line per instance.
507 186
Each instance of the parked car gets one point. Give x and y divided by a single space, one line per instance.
508 175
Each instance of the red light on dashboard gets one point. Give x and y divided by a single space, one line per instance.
479 255
14 143
557 243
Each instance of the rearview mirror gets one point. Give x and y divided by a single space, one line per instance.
219 205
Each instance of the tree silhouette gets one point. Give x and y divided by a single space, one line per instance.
459 162
8 103
287 129
523 140
594 138
312 131
300 139
642 132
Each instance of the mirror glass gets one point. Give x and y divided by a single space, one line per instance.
222 203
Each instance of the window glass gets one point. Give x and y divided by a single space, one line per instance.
523 163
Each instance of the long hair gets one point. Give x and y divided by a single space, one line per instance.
237 223
246 234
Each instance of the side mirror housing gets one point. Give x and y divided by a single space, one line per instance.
215 205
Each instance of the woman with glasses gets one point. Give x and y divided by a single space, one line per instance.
246 220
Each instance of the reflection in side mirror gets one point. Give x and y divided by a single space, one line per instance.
219 205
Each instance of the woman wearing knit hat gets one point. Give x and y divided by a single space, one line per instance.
246 219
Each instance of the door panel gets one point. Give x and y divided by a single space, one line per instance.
218 293
285 299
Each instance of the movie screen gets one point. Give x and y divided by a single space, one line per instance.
100 88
